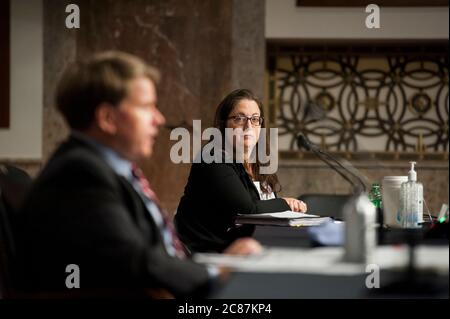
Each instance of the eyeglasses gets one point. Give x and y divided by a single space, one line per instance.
241 120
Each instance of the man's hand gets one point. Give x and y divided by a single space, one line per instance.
243 246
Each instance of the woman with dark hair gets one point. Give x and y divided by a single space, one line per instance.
216 192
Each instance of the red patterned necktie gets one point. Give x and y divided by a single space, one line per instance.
147 190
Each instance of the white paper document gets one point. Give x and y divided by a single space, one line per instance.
286 218
286 214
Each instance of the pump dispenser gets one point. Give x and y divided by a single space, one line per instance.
411 201
412 175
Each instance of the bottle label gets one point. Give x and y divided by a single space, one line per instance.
411 205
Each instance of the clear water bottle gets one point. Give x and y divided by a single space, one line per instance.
411 201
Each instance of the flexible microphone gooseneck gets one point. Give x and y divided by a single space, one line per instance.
303 141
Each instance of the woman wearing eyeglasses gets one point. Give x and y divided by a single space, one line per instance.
216 192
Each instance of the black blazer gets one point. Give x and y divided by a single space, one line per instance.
79 211
215 193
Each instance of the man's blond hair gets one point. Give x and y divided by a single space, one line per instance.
104 78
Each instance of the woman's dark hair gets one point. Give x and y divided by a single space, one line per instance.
269 182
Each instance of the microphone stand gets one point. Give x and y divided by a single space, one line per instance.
357 189
323 157
302 141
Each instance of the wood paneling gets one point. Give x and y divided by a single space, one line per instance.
194 45
4 63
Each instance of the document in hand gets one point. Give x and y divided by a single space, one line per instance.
286 218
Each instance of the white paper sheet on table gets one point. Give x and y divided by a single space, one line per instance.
329 260
286 218
286 214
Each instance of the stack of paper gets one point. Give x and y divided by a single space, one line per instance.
287 218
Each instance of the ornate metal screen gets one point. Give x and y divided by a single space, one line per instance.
360 100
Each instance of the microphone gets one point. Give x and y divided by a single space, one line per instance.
303 141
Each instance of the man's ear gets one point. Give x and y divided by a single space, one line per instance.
106 118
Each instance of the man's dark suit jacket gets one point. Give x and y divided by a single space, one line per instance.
79 211
215 193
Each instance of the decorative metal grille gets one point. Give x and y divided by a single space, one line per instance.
353 101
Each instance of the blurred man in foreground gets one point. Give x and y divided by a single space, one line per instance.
92 207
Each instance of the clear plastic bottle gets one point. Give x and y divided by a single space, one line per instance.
411 201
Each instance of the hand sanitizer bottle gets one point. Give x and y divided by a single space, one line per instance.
411 201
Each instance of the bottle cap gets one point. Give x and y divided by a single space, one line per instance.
412 175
